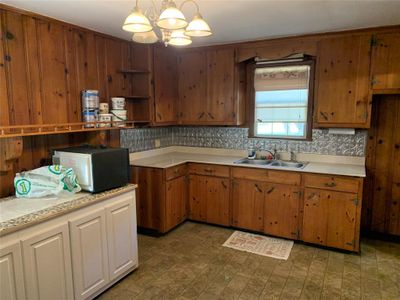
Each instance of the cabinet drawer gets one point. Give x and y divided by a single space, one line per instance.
209 169
176 171
284 177
250 173
332 183
267 175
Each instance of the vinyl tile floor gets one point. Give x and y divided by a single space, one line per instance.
190 263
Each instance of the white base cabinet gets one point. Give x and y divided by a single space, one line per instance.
75 256
47 265
121 237
89 253
11 273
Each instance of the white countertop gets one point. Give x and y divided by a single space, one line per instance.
18 213
172 156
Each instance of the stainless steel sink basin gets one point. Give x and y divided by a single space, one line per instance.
272 163
253 161
288 164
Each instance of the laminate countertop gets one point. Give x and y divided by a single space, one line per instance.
19 213
173 156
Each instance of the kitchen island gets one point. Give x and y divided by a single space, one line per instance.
67 248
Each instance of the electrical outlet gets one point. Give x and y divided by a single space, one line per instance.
157 143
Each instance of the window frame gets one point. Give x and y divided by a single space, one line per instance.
251 94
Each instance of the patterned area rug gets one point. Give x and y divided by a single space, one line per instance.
261 245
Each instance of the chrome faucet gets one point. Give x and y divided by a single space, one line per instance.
292 156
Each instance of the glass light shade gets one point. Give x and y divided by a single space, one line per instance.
137 22
172 18
149 37
198 27
178 38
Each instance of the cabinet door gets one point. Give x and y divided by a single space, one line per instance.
175 202
248 204
329 218
281 210
150 196
192 87
221 106
89 253
197 198
343 82
386 61
217 200
11 273
121 236
47 265
165 85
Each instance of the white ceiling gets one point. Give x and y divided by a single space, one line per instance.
230 20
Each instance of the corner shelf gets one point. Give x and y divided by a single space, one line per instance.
137 97
134 71
47 129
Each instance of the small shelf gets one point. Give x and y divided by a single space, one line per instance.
137 97
134 71
47 129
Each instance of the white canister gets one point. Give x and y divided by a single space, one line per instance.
90 99
104 109
119 115
89 115
105 118
118 103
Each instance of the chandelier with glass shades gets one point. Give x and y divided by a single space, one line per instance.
166 23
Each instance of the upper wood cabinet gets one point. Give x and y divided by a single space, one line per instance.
385 60
165 86
343 85
209 88
192 87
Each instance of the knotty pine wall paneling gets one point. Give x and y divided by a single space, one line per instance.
44 65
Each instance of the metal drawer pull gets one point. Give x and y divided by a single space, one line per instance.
208 170
223 184
270 190
331 184
258 188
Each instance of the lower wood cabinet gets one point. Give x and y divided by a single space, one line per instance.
209 199
281 210
330 218
11 273
175 202
162 197
316 208
248 204
47 264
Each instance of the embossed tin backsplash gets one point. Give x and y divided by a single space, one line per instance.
237 138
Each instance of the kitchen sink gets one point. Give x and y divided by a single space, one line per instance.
253 161
272 163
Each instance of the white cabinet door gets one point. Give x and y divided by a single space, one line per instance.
11 273
122 235
47 265
89 253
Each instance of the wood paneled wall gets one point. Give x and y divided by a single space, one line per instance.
44 65
381 208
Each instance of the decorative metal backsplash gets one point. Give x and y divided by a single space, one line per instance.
237 138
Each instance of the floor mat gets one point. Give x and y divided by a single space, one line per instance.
261 245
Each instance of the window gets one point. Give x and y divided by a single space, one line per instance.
282 100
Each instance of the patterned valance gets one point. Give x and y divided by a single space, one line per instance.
281 78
